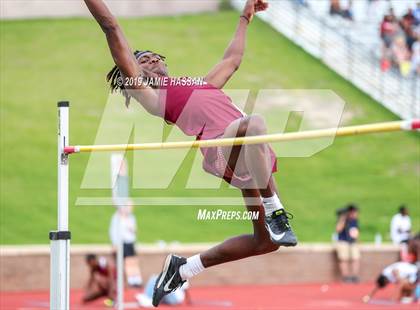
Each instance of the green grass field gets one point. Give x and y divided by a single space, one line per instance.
43 61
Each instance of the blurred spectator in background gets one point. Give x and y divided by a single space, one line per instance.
413 251
415 57
347 11
407 25
401 226
342 8
102 280
128 231
401 42
401 55
173 299
335 8
389 29
348 252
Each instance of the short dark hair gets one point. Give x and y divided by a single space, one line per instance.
381 281
90 257
352 207
402 208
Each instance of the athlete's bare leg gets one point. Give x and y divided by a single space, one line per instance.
252 159
97 288
239 160
245 245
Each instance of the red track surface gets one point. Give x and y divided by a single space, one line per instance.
275 297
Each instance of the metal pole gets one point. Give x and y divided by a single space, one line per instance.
117 161
60 239
120 263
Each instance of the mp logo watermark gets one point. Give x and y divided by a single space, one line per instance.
156 173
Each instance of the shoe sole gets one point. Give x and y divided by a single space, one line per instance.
285 244
163 273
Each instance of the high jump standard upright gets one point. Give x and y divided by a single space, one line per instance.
60 239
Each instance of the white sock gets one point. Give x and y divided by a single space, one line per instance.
272 204
192 268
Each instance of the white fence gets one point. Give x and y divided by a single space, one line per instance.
335 43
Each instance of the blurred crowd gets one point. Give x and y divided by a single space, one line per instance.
400 35
404 273
401 41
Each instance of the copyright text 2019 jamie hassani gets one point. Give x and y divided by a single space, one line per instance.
219 214
161 81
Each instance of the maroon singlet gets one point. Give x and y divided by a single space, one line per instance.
205 111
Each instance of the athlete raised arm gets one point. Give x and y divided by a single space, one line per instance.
232 58
126 62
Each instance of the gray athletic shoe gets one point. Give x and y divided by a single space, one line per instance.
169 279
279 228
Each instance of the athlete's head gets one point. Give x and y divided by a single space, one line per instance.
403 210
92 260
152 65
382 281
352 211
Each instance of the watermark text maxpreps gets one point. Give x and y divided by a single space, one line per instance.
219 214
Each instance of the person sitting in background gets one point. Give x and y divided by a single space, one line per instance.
347 11
401 226
102 280
403 275
128 227
175 298
401 55
389 28
408 19
336 9
407 23
348 253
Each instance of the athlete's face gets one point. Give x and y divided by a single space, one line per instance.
153 65
353 214
93 263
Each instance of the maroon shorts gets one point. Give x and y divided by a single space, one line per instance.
216 164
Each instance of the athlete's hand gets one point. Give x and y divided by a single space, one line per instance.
260 5
254 6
